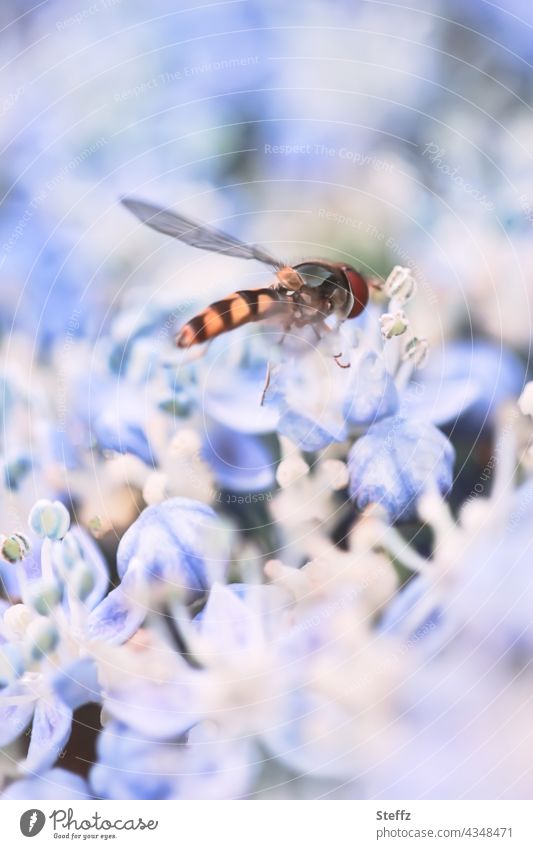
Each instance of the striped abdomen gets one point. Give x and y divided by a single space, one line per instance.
237 309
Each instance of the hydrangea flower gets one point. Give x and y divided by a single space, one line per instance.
255 676
200 767
483 374
48 668
53 784
179 543
395 461
320 403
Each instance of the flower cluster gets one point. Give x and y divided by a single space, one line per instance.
238 644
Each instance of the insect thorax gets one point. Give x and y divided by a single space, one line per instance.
325 289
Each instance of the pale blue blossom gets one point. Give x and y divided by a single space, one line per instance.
396 461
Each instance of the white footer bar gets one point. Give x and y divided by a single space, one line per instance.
271 824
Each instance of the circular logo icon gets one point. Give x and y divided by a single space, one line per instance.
32 822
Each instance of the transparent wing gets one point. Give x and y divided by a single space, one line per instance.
193 233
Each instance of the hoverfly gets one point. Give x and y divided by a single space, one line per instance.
306 293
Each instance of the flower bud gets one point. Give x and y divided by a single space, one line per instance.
334 473
525 402
67 552
400 284
155 488
393 324
44 596
14 547
41 638
49 519
417 351
291 470
16 620
82 581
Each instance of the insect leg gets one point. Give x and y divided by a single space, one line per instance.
337 357
267 383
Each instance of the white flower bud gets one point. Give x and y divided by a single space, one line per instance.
45 595
16 620
400 284
291 470
525 402
14 547
393 324
334 473
49 519
156 488
41 638
81 581
417 350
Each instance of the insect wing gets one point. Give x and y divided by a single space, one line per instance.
193 233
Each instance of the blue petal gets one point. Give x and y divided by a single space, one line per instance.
292 737
77 684
177 542
117 418
234 400
229 624
372 393
135 767
31 565
132 324
117 617
94 559
241 463
53 784
159 711
308 434
117 431
123 771
50 731
213 767
401 608
396 461
439 402
497 372
310 421
62 445
14 718
12 662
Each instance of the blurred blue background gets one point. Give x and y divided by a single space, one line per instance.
390 133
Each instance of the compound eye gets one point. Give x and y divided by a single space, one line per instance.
313 273
359 289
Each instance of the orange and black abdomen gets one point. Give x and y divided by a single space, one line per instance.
237 309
